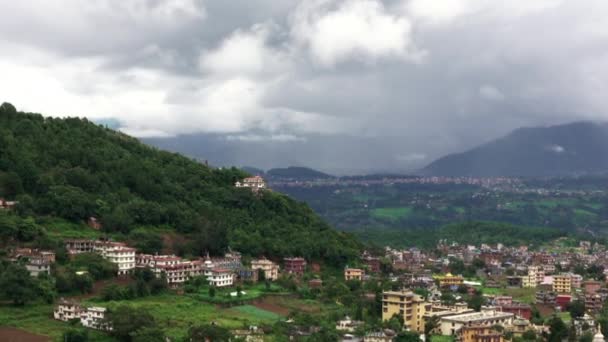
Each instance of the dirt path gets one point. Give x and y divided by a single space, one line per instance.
17 335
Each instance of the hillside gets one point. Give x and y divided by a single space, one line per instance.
572 149
73 169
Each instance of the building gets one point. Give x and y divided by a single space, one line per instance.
576 281
94 223
371 263
220 277
36 261
295 266
353 274
479 333
380 336
315 283
255 183
593 302
76 246
94 318
117 253
503 300
518 309
591 286
4 204
247 274
270 269
348 325
450 325
562 283
514 282
449 280
408 305
562 301
67 310
91 317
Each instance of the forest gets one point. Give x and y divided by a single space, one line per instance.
73 169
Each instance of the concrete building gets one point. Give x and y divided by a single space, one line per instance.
295 266
117 253
591 286
562 283
94 318
479 333
255 183
67 310
348 325
408 305
270 269
450 325
353 274
449 280
220 277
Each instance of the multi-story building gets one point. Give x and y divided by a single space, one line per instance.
67 310
449 280
593 302
576 281
353 274
591 286
255 183
450 325
220 277
91 317
75 246
408 305
479 333
36 261
94 318
117 253
295 266
562 283
535 277
270 269
371 263
518 309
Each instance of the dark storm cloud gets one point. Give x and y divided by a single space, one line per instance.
410 79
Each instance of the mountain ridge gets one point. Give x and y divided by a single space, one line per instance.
559 150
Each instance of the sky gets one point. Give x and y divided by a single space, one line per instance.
414 79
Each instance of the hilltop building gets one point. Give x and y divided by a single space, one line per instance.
255 183
408 305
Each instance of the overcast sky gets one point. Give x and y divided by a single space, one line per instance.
433 76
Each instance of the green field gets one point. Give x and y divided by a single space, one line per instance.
392 214
256 312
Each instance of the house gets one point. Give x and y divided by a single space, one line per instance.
405 303
76 246
295 266
514 282
348 325
503 300
479 333
270 269
371 263
353 274
255 183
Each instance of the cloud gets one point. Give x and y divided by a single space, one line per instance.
490 92
557 149
259 138
335 31
407 77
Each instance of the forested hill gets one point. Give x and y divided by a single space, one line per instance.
74 169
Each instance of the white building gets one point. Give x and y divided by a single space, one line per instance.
255 183
117 253
220 277
94 318
450 325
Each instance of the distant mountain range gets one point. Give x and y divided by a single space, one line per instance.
288 173
571 149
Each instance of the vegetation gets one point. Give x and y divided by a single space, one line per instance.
73 169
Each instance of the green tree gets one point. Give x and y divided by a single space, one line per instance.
576 308
126 321
558 331
17 285
205 333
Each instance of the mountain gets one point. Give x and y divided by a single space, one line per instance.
570 149
74 169
297 173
